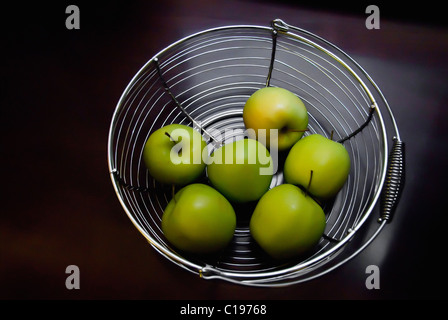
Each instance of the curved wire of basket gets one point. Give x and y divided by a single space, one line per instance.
203 80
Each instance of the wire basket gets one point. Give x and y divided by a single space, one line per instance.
204 80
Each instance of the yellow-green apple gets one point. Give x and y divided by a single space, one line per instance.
286 222
199 219
272 108
241 170
328 160
173 154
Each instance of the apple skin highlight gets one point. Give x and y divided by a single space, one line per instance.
276 108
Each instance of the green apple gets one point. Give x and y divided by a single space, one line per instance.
328 160
286 222
273 108
173 154
199 219
241 170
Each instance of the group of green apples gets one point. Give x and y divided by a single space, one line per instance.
287 220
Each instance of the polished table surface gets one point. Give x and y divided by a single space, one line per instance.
60 88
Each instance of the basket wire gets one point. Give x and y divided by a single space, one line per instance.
203 80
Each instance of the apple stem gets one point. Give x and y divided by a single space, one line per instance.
179 152
169 136
309 183
331 135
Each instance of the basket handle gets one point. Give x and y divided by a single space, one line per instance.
394 182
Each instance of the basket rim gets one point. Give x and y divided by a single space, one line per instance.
209 272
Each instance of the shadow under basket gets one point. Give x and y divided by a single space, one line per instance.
204 80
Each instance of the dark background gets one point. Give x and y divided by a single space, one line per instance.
59 89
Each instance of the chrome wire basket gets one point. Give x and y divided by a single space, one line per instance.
204 80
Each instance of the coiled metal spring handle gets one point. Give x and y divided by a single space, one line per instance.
394 182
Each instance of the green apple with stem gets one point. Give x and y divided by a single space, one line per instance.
173 154
241 170
287 222
198 219
328 161
273 108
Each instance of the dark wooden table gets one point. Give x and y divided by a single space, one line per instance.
59 90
